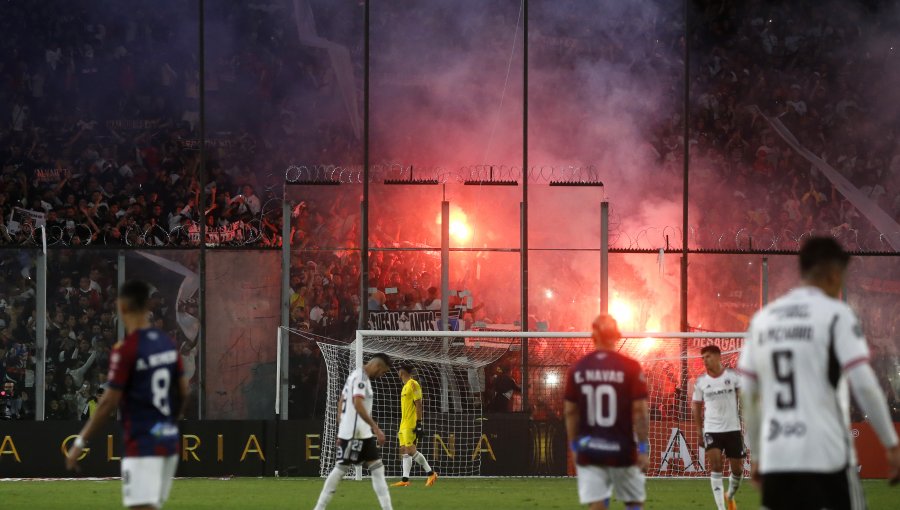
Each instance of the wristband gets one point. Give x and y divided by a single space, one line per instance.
644 448
574 446
79 442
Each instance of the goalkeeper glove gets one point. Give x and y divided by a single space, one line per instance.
418 430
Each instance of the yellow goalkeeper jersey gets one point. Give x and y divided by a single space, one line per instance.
408 396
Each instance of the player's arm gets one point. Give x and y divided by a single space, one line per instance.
697 411
853 354
340 410
108 404
571 412
121 362
418 403
640 416
572 416
697 415
749 395
359 404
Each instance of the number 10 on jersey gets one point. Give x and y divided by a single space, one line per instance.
601 404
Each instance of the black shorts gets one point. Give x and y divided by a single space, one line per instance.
813 491
357 451
731 443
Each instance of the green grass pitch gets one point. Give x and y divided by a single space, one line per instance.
301 493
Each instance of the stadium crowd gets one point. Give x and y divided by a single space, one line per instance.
81 330
100 139
822 77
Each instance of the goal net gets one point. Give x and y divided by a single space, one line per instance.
456 369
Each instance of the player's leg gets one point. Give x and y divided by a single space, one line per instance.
170 465
417 456
594 486
734 452
630 484
379 484
370 456
734 481
341 466
715 465
142 482
403 437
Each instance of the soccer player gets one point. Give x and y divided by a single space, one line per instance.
605 408
799 351
359 438
716 408
408 434
147 385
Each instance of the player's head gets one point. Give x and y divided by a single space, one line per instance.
378 365
405 371
134 296
712 357
823 263
605 332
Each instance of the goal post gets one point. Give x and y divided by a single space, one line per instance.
455 370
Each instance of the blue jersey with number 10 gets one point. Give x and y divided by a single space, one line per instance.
146 367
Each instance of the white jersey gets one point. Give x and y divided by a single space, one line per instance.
720 401
351 425
796 350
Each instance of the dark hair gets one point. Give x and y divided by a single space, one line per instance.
136 294
710 348
383 357
406 367
818 252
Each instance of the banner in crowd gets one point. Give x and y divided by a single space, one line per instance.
881 220
230 233
411 320
51 175
20 216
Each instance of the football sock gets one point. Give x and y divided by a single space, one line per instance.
380 485
634 506
717 488
734 483
420 460
407 466
331 483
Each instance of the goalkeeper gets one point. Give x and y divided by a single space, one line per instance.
410 414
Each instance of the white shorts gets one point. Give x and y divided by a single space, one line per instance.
595 483
147 480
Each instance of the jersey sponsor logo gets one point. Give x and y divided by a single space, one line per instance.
790 429
857 330
141 364
717 393
598 444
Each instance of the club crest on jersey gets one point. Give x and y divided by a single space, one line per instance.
361 385
727 382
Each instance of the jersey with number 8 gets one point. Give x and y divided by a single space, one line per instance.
146 366
797 348
604 385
